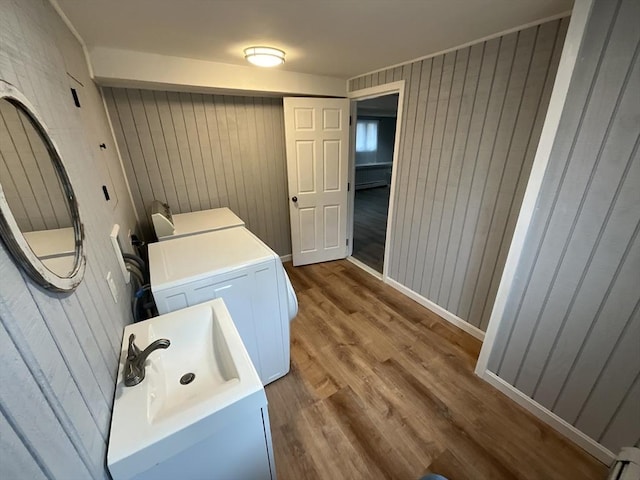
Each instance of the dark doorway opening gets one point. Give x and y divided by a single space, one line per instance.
375 140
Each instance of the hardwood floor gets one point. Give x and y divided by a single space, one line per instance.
370 226
380 387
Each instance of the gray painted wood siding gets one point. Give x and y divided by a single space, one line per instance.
472 121
26 171
570 335
197 152
59 353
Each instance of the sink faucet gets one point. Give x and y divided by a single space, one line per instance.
134 366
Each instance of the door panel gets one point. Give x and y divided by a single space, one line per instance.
317 137
331 119
332 160
331 220
308 229
306 167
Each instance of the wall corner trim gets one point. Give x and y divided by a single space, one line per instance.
568 59
437 309
67 22
592 447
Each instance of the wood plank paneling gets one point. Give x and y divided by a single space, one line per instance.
12 447
472 121
20 404
423 183
420 81
529 150
457 121
59 353
569 336
25 166
197 151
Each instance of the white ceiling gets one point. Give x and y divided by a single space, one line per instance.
340 38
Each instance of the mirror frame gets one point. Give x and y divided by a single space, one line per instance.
12 236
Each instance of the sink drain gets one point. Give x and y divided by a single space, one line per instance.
187 378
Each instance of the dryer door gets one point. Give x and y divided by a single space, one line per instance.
292 300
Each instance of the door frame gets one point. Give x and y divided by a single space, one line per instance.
355 96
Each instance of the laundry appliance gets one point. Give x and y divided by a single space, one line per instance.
168 226
235 265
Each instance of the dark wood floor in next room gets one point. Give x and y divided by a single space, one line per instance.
382 388
370 226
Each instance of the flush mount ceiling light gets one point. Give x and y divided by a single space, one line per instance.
264 56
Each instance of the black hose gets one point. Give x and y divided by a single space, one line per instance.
134 309
135 285
136 299
135 258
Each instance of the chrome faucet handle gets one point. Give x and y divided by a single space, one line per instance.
134 370
133 350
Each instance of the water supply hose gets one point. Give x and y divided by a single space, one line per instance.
136 300
142 265
135 271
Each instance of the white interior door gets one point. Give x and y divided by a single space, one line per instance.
317 141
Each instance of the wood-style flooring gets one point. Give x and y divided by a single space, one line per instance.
381 388
370 226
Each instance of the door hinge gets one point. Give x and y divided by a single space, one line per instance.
350 120
347 242
348 186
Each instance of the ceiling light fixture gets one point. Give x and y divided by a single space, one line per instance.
264 56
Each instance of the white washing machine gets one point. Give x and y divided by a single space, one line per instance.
168 226
234 265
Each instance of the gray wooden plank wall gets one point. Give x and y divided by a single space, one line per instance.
59 353
472 120
570 335
197 151
25 170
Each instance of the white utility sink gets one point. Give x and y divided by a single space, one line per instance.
198 346
216 426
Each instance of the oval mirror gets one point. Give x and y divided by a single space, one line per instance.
39 219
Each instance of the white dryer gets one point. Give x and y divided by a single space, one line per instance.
168 226
234 265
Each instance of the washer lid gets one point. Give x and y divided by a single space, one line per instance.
203 221
199 256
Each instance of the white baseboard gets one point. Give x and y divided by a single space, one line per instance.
447 315
547 416
365 267
286 258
